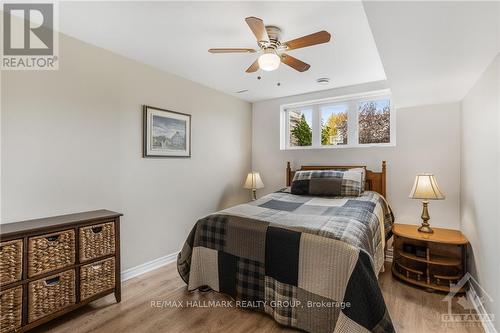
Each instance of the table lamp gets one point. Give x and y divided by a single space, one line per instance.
426 188
253 183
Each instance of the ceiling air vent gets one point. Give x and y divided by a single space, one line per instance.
323 81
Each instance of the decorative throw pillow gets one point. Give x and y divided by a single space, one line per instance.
327 183
363 177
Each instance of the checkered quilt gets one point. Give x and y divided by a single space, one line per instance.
309 262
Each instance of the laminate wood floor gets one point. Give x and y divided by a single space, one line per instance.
412 310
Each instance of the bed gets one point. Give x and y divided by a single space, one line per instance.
309 262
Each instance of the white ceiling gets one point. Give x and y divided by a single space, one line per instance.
434 52
175 37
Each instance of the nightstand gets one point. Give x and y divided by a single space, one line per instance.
432 261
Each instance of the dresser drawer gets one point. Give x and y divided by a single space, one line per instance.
11 261
11 305
97 277
50 252
97 240
51 294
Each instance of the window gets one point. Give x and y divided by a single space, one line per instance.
300 124
334 125
350 121
374 121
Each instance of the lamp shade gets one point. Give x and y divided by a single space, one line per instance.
253 181
426 187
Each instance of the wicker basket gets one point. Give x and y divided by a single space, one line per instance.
97 240
50 252
11 261
97 277
51 294
11 305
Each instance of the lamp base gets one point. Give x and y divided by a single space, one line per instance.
425 228
254 194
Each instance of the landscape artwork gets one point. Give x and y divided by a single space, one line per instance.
166 133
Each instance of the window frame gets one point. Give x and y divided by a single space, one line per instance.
352 101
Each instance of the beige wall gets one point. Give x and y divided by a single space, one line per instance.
71 141
480 181
427 141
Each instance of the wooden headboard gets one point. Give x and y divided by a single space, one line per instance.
375 181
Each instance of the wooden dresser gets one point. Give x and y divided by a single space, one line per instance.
433 261
54 265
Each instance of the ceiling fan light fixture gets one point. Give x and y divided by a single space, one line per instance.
269 60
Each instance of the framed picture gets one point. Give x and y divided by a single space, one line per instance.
166 133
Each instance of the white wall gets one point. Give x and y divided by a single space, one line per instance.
480 180
427 141
71 141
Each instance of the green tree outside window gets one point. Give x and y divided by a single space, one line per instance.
301 133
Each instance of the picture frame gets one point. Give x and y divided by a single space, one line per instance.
166 133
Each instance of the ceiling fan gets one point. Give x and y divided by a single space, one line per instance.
272 49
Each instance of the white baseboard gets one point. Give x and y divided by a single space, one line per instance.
389 253
479 307
148 266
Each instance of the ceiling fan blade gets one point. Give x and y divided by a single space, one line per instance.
319 37
258 28
253 67
295 63
231 50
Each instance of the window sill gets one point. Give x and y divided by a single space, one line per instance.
368 145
